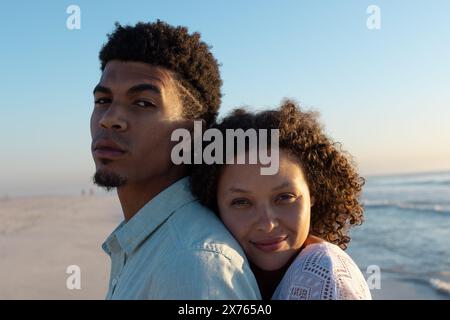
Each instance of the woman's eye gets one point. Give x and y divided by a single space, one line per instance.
102 101
286 198
240 203
145 104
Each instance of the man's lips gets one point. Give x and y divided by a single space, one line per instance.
270 244
108 149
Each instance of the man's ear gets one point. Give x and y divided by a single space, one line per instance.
203 122
189 124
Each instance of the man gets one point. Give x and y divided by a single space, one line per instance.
157 78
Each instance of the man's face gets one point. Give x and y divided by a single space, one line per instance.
136 109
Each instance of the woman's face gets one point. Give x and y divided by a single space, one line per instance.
268 215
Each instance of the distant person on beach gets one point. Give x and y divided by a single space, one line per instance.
157 78
291 225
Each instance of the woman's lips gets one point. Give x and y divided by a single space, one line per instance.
270 245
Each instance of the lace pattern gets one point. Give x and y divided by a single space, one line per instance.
323 271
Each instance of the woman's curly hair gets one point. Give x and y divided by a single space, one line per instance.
174 48
329 171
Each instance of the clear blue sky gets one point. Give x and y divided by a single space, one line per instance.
383 93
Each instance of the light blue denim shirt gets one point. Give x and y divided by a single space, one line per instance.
174 248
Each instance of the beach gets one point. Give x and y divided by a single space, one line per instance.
41 236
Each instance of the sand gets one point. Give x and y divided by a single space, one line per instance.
41 236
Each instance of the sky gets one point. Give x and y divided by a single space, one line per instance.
383 93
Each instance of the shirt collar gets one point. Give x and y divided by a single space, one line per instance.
129 235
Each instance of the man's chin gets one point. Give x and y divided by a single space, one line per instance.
108 179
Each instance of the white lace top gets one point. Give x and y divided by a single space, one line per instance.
323 271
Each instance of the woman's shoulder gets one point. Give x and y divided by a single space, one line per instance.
325 252
323 271
326 260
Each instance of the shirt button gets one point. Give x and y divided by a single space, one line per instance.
114 281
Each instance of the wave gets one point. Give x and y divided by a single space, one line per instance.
435 281
412 183
440 285
416 206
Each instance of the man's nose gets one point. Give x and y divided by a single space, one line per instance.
113 118
268 220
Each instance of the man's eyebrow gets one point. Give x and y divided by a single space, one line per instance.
144 87
99 88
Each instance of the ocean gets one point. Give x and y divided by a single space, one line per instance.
406 234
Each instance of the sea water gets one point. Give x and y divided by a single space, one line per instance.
406 233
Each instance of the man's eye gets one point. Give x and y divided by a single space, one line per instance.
102 101
240 203
145 104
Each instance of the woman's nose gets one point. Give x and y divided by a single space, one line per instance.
268 220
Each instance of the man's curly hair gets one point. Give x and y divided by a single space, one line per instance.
329 171
187 57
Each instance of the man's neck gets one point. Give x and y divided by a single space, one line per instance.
134 196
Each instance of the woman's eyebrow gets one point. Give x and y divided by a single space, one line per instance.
237 190
282 186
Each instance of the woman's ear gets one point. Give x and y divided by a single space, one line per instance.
312 200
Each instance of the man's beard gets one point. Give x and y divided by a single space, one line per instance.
108 180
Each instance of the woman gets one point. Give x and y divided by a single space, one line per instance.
291 225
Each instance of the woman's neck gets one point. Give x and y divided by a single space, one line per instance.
269 280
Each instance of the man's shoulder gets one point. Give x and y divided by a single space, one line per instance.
197 230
